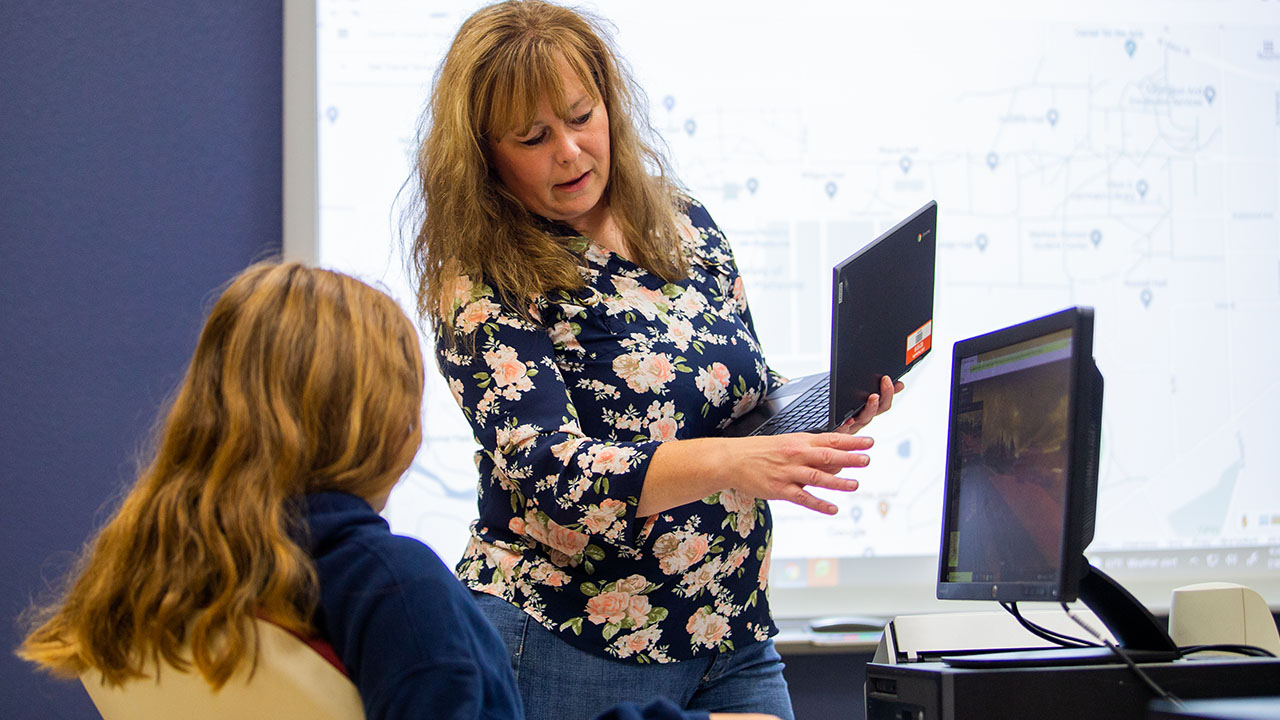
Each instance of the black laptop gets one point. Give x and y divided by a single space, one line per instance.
881 324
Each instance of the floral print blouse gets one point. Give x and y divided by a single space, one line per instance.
568 410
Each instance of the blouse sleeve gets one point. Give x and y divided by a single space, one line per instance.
567 490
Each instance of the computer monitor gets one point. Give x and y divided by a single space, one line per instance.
1022 461
1021 483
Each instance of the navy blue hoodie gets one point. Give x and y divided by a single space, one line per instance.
411 638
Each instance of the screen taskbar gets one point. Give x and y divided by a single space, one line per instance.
1209 562
897 585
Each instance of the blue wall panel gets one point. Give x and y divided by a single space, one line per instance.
140 160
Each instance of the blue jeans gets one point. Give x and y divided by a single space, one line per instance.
558 681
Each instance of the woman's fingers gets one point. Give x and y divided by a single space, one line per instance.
886 395
873 407
839 441
877 404
783 467
842 452
887 391
798 496
831 481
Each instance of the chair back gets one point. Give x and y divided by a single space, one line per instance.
291 682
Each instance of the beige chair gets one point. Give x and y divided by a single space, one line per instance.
291 681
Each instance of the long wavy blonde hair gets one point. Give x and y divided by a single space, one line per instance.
303 380
503 60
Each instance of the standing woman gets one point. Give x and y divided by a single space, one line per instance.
591 323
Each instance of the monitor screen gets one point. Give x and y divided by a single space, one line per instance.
1021 473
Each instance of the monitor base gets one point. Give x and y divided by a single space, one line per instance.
1056 657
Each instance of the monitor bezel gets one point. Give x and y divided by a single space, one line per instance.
1084 408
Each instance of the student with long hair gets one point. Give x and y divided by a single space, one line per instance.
298 414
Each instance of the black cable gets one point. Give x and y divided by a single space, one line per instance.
1045 633
1250 650
1062 638
1041 632
1159 691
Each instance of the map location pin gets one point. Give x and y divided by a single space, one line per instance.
669 102
1052 116
905 163
690 126
331 113
1145 297
1095 237
992 160
752 185
1142 188
883 507
1210 93
831 188
981 242
1130 46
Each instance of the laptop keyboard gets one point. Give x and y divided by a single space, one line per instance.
809 411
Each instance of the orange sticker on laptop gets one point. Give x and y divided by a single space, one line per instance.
919 342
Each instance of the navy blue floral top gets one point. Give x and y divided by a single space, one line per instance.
568 410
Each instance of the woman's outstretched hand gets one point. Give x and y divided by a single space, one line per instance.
783 467
772 467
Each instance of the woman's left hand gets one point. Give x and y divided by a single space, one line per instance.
876 404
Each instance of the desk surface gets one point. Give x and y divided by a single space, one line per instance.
795 637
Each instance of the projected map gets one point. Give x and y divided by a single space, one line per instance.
1124 156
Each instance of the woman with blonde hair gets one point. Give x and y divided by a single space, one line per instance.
591 323
297 416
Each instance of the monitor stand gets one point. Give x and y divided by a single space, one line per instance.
1136 632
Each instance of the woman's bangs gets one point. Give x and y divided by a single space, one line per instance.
534 73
